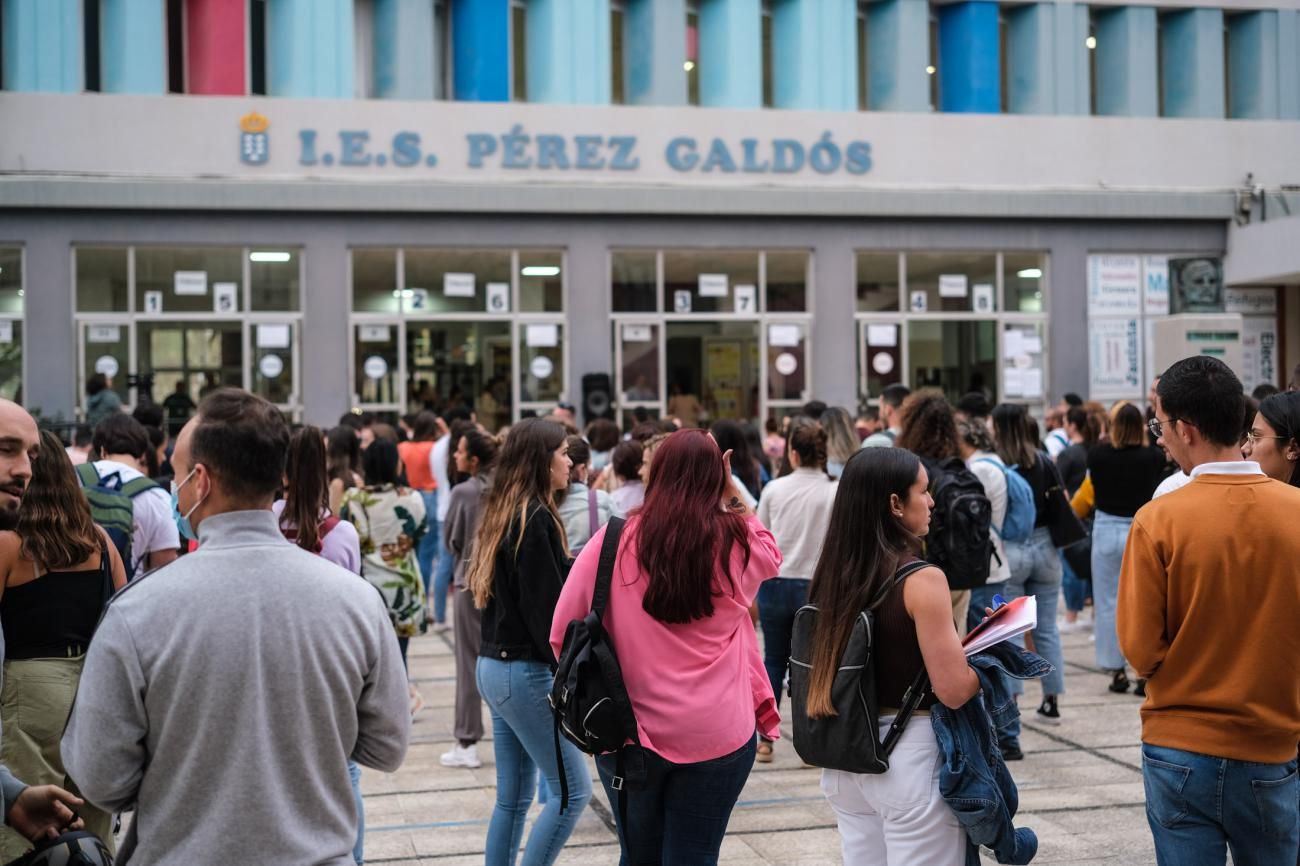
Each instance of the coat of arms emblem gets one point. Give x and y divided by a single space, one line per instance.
254 145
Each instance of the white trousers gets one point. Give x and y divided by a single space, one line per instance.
897 818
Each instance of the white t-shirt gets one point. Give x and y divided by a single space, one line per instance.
1172 483
438 464
797 509
994 479
151 511
1056 442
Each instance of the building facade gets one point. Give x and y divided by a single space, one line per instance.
383 204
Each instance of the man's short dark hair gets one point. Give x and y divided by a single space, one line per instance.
149 416
1204 392
82 437
974 405
814 409
626 459
1072 399
120 434
243 440
456 413
1264 391
350 419
894 395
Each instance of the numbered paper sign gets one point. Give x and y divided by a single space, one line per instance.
498 297
419 300
920 302
225 297
153 302
271 366
983 297
106 365
682 301
746 299
375 367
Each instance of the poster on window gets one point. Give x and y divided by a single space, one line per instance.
1114 358
1155 285
1114 283
1258 351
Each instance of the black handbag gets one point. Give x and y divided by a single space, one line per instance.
1064 525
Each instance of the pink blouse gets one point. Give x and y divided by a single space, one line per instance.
699 689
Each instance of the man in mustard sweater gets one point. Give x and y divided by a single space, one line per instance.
1209 613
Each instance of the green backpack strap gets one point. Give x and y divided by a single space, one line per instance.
136 486
88 474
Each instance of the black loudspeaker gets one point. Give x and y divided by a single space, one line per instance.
597 397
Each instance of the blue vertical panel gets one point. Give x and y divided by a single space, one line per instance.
405 53
898 51
654 51
133 46
970 71
480 50
1288 64
815 54
1073 57
309 48
1253 78
1192 63
1031 63
731 53
43 45
569 51
1126 61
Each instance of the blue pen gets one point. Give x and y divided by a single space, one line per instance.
998 601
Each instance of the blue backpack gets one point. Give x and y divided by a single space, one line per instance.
1018 525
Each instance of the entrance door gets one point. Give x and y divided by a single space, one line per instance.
460 361
639 369
713 365
202 356
882 355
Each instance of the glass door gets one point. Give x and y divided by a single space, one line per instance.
274 372
201 356
639 369
377 363
882 355
106 351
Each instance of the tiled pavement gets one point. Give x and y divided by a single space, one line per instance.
1080 787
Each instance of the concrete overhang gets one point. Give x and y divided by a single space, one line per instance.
1263 254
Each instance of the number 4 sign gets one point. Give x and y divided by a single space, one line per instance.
746 299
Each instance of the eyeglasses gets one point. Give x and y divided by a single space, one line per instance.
1155 424
1253 438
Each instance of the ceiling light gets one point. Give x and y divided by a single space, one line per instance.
930 70
1091 42
688 65
541 271
269 257
1030 273
403 293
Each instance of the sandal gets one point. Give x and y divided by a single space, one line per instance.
1118 682
764 755
417 699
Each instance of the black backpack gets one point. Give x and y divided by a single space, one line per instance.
960 540
850 739
589 701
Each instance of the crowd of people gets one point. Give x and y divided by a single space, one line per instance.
252 589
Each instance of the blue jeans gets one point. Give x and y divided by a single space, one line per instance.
1074 587
441 579
427 550
778 599
982 597
359 849
680 813
523 734
1198 806
1109 536
1036 570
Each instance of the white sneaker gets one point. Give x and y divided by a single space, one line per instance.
462 756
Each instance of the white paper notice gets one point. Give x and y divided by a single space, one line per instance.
418 302
1014 381
458 285
104 334
920 302
498 297
542 336
1031 382
783 335
1013 343
225 297
983 297
882 336
153 302
6 331
681 301
746 299
636 333
272 336
190 282
373 334
713 285
1032 344
952 285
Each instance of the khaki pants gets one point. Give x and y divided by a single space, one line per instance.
34 707
468 622
960 604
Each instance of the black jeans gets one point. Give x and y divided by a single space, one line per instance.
778 601
680 814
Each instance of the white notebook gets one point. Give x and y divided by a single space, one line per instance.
1014 618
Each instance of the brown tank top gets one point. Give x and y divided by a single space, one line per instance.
898 654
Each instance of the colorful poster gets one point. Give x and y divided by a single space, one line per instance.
1155 285
1259 351
1114 358
1114 285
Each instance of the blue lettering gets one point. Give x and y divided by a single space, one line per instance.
589 151
514 149
480 145
307 153
352 147
406 149
750 146
788 156
550 152
623 147
678 160
720 157
857 157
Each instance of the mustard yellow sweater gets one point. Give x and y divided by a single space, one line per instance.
1209 612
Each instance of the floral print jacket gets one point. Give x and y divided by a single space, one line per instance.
390 521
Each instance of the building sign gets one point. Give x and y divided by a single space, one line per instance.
1114 353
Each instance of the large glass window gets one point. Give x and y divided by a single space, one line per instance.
786 276
460 362
708 281
541 281
377 376
203 355
541 362
374 281
274 278
453 281
101 280
951 282
1024 276
877 282
11 323
193 280
955 357
634 280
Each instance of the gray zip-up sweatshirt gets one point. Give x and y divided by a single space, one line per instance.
223 695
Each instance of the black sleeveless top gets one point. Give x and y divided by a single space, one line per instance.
898 653
55 615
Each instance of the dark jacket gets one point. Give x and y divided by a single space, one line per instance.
525 587
973 779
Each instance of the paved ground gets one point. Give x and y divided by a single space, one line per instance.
1080 787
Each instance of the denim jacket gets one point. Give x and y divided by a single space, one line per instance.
973 779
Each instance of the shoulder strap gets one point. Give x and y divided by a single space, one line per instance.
327 526
136 486
910 569
605 572
992 462
88 474
920 686
106 569
591 512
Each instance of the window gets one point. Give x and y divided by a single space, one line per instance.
877 282
374 281
90 39
101 281
617 94
541 281
176 46
786 279
257 47
863 67
692 64
1023 277
707 281
634 280
955 357
767 54
179 280
452 281
273 279
951 282
518 51
11 323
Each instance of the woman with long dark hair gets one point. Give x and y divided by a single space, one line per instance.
519 563
1035 563
59 570
305 519
730 436
882 510
474 452
343 464
1273 440
689 566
